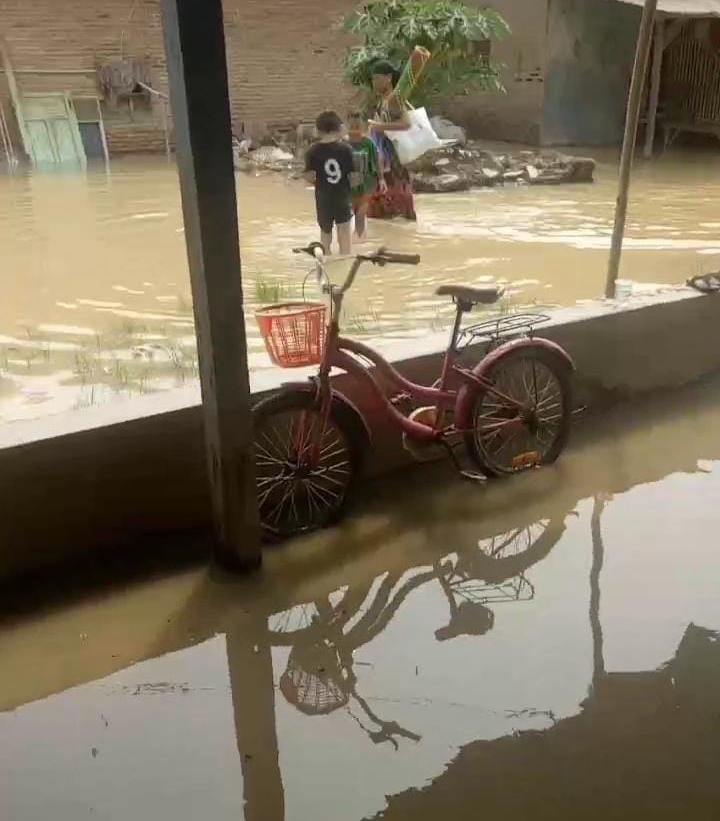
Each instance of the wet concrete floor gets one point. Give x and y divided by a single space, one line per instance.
538 648
96 298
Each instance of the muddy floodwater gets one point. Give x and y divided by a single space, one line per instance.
542 648
96 299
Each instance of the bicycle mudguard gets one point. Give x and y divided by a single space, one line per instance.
468 392
349 409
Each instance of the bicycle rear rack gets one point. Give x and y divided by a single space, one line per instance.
493 330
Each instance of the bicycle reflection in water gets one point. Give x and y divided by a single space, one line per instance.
323 636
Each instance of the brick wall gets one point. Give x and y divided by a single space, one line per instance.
515 115
284 57
135 140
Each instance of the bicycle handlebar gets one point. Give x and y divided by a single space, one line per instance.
315 249
394 257
381 257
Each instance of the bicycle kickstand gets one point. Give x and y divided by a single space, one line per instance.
469 475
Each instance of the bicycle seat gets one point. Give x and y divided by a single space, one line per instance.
484 295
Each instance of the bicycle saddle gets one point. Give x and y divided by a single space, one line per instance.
484 295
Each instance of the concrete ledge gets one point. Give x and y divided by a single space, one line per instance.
104 477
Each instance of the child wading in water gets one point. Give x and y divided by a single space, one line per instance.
369 168
329 163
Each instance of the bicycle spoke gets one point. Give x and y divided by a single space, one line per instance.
330 479
293 505
282 448
324 494
271 451
304 468
531 384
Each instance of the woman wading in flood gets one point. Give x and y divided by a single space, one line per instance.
390 115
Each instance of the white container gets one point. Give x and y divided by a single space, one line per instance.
623 288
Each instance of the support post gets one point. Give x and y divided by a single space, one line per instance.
15 96
628 150
655 78
197 73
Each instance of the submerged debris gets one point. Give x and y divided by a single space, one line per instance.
460 167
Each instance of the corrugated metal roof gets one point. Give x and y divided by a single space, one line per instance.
689 8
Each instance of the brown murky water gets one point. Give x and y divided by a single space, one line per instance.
96 299
542 648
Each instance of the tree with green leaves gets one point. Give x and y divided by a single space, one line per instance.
455 34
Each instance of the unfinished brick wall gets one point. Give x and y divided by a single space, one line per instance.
284 57
135 140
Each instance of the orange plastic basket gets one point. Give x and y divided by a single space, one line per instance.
293 332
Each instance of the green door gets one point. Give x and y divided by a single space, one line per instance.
53 130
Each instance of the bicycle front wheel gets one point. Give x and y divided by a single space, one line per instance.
525 420
305 465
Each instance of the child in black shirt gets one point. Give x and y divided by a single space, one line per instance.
329 163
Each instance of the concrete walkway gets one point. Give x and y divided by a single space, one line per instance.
538 648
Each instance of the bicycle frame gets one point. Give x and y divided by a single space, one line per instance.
441 398
345 354
340 352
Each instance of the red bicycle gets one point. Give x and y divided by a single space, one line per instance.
510 412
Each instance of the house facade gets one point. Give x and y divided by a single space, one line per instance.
566 68
284 61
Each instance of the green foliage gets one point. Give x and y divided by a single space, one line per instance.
453 33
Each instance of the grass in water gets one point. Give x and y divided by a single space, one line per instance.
269 291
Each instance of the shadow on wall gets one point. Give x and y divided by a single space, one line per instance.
590 53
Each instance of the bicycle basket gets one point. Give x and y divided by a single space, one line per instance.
293 332
313 680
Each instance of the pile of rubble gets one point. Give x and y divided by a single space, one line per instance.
265 158
465 164
458 166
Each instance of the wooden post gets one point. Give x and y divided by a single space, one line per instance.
5 138
197 73
628 150
15 97
655 78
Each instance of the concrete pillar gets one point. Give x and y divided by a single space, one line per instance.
197 73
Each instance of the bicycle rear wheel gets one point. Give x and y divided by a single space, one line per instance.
306 466
506 437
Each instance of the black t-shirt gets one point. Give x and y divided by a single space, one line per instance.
333 163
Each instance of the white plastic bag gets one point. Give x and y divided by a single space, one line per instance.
417 140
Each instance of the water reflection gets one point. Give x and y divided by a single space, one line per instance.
526 648
644 744
324 636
